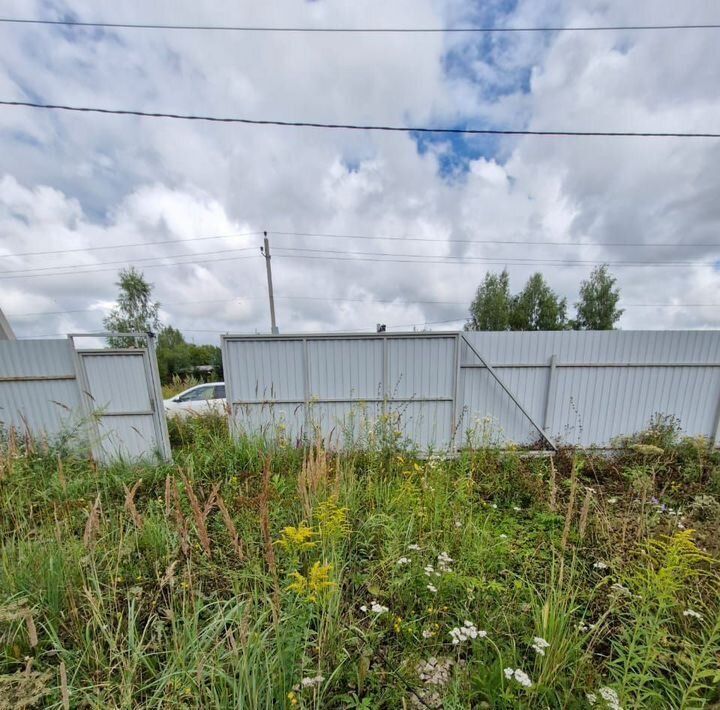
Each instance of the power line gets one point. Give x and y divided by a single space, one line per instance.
356 30
145 266
359 127
30 271
468 260
337 299
136 244
490 241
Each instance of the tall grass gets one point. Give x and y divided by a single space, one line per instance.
257 574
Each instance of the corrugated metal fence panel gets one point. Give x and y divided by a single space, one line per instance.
121 399
49 406
345 369
606 384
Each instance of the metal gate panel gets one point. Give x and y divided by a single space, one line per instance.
125 404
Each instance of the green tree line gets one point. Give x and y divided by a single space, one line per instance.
538 307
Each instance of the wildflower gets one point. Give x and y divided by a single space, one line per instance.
296 539
316 582
540 644
375 608
444 562
428 633
600 565
458 524
332 519
516 509
611 501
403 561
430 571
693 613
413 547
519 675
503 536
432 588
591 698
311 682
494 506
292 698
582 627
465 632
610 697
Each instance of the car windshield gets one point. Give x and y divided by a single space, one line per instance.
197 394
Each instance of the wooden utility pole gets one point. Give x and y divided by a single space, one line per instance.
266 253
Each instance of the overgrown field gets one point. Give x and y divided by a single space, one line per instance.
247 575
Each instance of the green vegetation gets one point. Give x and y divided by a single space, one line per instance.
538 307
253 574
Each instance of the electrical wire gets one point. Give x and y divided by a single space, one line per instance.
359 127
355 30
490 241
111 268
136 244
31 270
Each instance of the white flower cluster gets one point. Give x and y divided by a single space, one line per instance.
466 632
375 608
414 547
403 561
693 613
432 588
444 561
310 682
540 644
600 565
519 675
428 633
430 571
610 697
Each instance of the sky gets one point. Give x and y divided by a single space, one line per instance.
365 227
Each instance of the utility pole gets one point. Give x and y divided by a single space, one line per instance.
266 253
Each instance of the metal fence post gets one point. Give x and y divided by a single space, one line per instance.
550 393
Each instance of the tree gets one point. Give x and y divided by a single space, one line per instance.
538 307
178 357
490 310
135 310
597 308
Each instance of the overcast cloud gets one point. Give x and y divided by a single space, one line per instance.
71 182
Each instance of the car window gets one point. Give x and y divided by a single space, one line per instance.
197 394
219 391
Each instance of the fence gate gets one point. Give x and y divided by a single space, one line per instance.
121 390
108 399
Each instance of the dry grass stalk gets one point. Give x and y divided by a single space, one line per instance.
180 520
553 487
169 577
168 495
584 511
64 691
200 514
130 503
31 630
92 527
269 548
313 476
61 475
571 505
230 526
12 443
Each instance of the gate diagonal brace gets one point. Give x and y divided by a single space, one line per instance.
497 379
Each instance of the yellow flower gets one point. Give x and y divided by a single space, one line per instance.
314 584
332 519
296 539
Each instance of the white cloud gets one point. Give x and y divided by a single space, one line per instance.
73 181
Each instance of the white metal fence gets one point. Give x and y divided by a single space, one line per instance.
581 388
109 399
